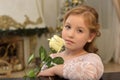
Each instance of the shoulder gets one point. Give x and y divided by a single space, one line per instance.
92 56
93 59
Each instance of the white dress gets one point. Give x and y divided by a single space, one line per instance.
85 67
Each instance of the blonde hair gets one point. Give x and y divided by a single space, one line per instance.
90 16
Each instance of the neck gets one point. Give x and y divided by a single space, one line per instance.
74 52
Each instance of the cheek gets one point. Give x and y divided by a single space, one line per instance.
81 43
82 39
63 34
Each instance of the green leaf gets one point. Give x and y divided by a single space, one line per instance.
42 53
51 65
48 61
37 69
58 60
31 58
31 73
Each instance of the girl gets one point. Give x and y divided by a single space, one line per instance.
80 29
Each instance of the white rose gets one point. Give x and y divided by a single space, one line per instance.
56 43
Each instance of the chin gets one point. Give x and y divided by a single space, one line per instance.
69 48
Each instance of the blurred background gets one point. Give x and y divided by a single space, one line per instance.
25 25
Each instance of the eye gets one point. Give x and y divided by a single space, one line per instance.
67 26
80 31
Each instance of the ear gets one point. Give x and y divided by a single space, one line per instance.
91 37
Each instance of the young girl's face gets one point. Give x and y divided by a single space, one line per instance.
75 32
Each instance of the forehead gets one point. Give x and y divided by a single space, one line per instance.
79 19
86 16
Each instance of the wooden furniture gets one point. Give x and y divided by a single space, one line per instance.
111 76
106 76
5 68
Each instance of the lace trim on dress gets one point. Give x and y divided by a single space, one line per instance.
87 67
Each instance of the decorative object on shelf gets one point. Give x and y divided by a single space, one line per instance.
8 23
13 16
29 22
5 67
68 4
46 60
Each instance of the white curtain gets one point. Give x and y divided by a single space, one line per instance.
109 42
117 6
17 9
117 31
106 42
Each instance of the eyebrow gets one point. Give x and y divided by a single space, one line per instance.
78 26
81 27
67 22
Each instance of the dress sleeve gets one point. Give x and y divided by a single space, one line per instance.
83 69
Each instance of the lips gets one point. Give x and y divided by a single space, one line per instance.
69 41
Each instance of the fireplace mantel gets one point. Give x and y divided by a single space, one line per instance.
24 32
26 40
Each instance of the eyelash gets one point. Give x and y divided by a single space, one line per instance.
69 27
81 31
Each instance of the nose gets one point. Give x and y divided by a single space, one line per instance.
71 33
